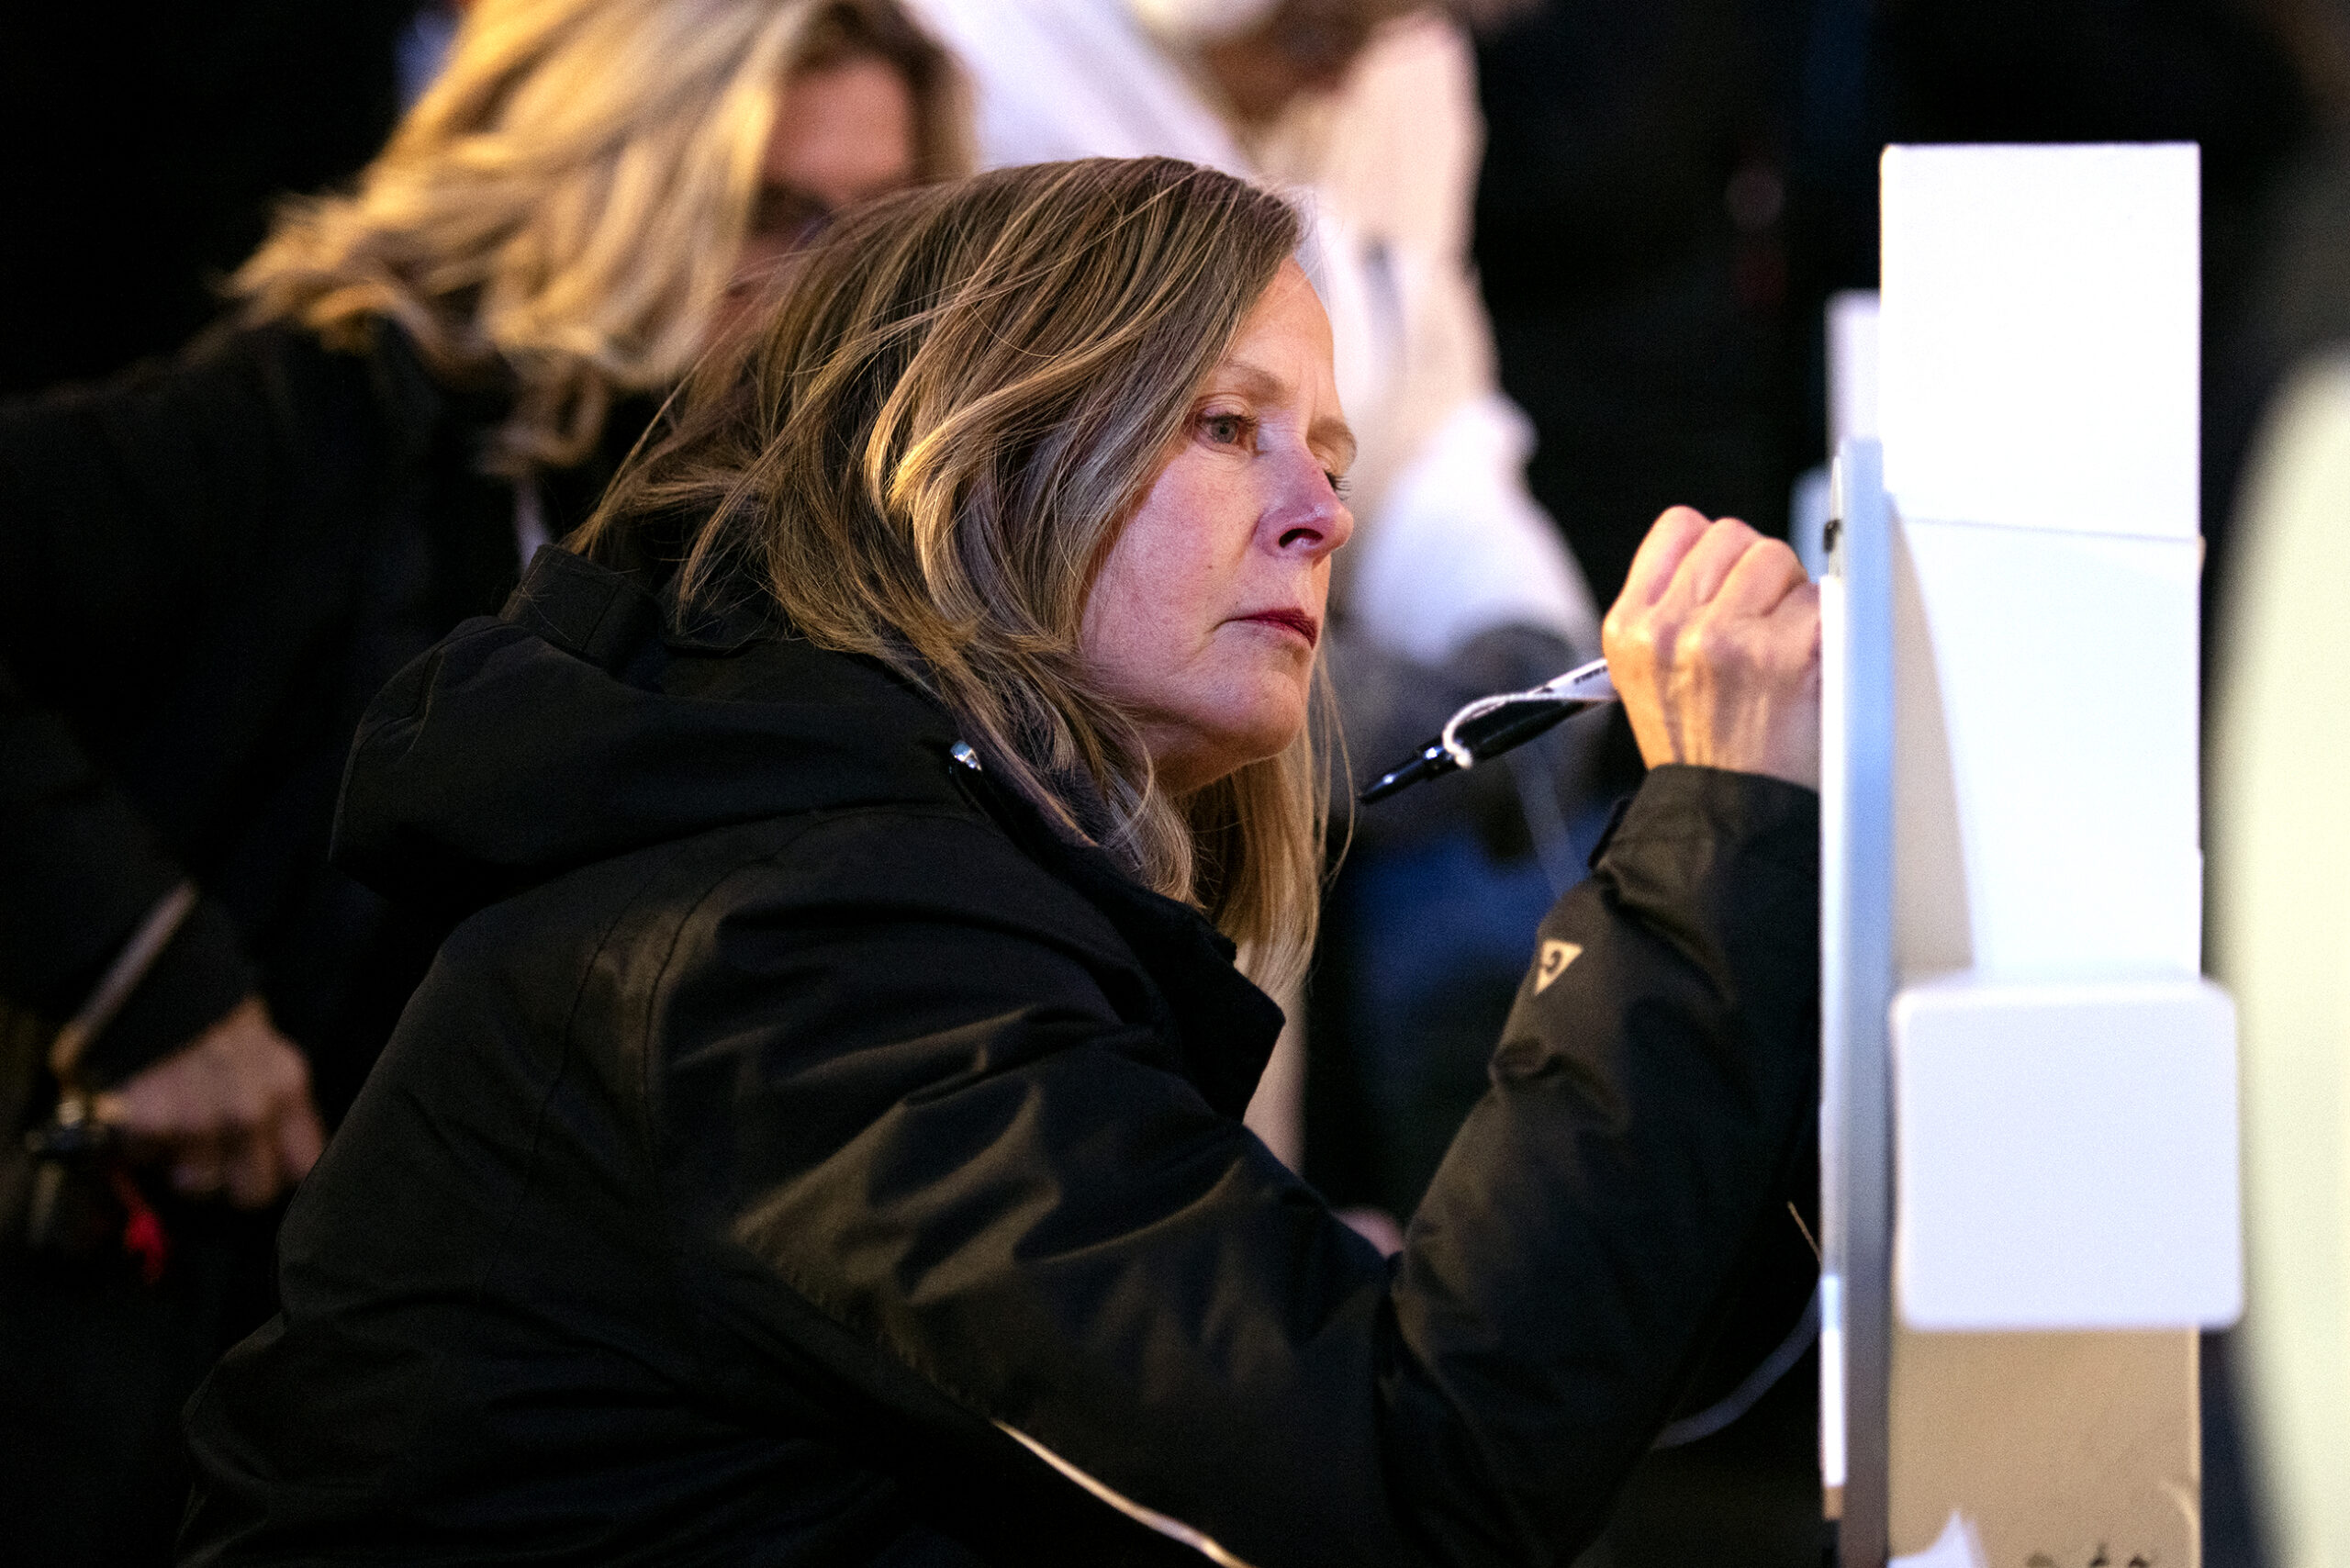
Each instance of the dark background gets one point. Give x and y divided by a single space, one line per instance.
144 147
1672 190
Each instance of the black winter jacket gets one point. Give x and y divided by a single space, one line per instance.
803 1156
207 567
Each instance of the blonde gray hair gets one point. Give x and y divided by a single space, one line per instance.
564 208
925 454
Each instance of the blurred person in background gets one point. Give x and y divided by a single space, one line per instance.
209 566
1457 584
2277 771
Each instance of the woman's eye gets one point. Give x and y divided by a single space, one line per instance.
1338 485
1225 430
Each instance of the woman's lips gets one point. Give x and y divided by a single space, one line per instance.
1296 620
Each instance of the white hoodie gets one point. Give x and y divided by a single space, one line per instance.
1450 543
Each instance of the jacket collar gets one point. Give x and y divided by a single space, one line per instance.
596 717
1227 1027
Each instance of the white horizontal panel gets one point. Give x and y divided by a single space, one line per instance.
2066 1156
2046 754
2038 336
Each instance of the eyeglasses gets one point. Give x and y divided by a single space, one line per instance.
786 217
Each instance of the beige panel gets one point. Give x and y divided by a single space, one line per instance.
2280 854
2059 1447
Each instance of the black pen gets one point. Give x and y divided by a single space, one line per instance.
1492 725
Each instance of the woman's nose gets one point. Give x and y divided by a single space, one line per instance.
1309 516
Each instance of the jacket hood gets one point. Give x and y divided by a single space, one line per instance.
590 719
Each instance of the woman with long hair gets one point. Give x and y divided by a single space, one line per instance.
591 185
208 566
818 1140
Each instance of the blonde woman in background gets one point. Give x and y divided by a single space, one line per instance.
589 188
209 566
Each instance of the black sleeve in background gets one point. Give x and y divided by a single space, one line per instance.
79 868
131 514
132 511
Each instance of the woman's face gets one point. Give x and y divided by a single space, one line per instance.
842 134
1205 614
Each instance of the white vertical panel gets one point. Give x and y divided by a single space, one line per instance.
2039 349
2046 755
1852 367
2038 393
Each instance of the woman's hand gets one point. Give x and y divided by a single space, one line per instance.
1713 647
231 1110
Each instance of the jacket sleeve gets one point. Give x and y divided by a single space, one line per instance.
990 1180
125 511
79 869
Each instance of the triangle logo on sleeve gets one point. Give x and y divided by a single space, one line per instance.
1554 962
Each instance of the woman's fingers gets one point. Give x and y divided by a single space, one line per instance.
231 1109
275 1144
1714 649
1669 538
1699 578
1797 610
1794 624
1765 573
199 1170
251 1172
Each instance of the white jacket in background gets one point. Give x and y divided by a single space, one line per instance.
1449 542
